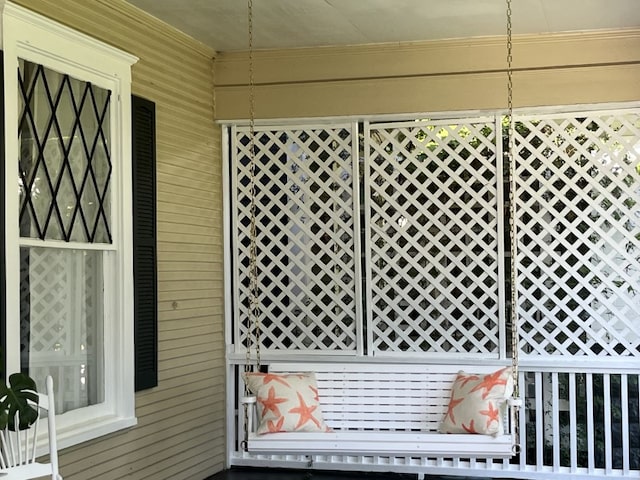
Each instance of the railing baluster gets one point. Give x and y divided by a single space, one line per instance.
608 444
624 405
555 421
539 422
590 427
573 422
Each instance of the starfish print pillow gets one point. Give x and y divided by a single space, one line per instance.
286 403
477 403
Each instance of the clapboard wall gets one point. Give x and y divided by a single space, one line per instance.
433 76
176 73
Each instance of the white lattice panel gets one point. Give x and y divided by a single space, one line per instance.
433 210
306 236
579 233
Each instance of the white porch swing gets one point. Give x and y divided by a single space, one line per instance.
377 408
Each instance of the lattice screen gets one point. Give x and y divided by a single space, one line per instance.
306 235
434 235
433 230
579 243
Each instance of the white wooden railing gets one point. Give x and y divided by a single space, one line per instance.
578 421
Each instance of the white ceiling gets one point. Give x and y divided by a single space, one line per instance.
222 24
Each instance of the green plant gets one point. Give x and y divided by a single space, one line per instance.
19 396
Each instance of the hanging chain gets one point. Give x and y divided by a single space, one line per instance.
253 325
254 304
513 237
515 347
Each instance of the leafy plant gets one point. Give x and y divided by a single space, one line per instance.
19 396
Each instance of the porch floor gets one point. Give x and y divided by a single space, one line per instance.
287 474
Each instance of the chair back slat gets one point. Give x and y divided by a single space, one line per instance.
18 449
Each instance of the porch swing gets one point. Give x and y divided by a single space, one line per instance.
386 409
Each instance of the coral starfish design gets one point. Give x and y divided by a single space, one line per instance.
305 412
491 414
270 403
453 403
464 379
316 397
490 381
270 377
471 428
275 427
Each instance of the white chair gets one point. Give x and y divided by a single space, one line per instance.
18 449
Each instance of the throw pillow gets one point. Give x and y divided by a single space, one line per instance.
477 403
286 403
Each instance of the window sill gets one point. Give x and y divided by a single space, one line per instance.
81 433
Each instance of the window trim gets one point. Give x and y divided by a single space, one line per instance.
40 40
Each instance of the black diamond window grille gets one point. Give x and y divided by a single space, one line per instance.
65 161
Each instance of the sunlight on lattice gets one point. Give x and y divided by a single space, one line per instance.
433 236
305 235
579 250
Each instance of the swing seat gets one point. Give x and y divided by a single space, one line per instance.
383 409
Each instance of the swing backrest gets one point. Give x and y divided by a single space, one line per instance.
383 396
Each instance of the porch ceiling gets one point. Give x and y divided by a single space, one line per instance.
221 24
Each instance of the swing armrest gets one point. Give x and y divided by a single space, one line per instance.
514 405
249 402
514 402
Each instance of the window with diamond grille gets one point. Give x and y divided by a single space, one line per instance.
579 243
65 164
432 231
306 234
68 220
64 175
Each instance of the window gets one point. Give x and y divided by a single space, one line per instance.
65 230
69 311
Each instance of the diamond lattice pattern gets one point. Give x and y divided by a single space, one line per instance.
305 237
433 253
579 251
65 163
433 237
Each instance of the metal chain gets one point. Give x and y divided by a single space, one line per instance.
254 304
253 327
512 202
513 237
253 253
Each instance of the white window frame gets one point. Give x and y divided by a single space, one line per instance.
42 41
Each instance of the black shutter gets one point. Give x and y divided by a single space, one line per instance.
143 139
